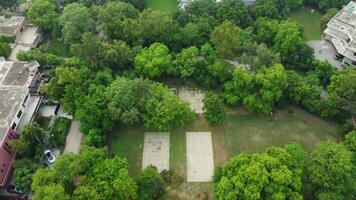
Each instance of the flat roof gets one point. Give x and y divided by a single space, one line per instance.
9 26
15 77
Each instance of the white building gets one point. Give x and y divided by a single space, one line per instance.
19 100
341 32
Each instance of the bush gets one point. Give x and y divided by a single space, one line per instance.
150 185
24 168
95 138
171 178
214 109
44 59
5 49
8 38
59 132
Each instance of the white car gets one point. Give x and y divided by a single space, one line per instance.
50 156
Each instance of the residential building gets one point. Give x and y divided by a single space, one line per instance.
341 32
19 100
27 36
184 3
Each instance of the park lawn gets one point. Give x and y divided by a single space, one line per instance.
242 131
163 5
310 21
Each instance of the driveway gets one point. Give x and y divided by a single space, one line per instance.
74 138
324 50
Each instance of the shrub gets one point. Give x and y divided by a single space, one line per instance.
171 178
150 184
95 138
59 132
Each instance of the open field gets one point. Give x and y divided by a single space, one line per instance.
163 5
242 131
310 21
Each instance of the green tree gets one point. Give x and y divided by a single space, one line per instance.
154 61
155 26
266 30
50 192
269 175
150 185
89 172
227 39
5 49
266 8
43 14
118 21
258 91
342 95
24 168
288 42
44 59
234 11
331 173
185 63
350 141
74 21
258 56
214 109
8 3
330 13
111 176
94 112
138 100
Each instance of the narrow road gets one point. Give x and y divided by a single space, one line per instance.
74 138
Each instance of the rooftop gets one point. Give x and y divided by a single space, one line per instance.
345 21
10 25
15 77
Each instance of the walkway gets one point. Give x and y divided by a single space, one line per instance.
74 138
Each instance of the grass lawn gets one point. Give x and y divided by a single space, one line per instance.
163 5
242 131
310 21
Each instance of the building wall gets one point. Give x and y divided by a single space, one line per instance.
7 156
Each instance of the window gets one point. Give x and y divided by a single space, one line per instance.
25 100
13 126
19 114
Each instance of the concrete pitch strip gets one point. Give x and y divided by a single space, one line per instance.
200 163
156 150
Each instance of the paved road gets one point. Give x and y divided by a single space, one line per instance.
74 138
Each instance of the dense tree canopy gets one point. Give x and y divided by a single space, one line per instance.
214 109
43 14
74 21
331 172
228 39
138 100
342 94
91 170
273 174
150 185
258 91
153 61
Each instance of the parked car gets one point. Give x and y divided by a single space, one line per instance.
14 189
49 156
338 56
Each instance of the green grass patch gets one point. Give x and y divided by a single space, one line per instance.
310 21
242 131
163 5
